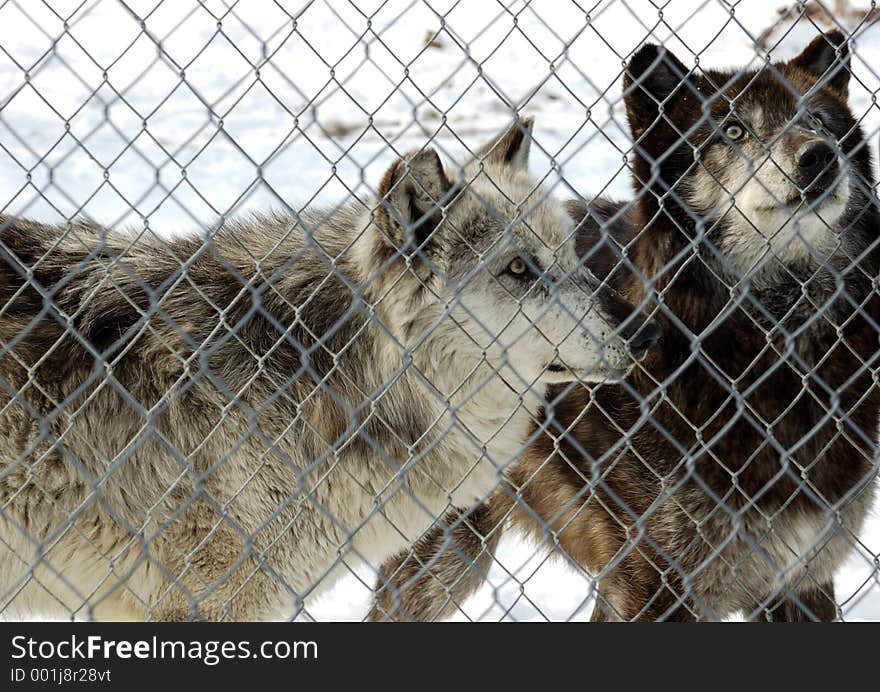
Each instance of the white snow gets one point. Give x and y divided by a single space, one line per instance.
168 115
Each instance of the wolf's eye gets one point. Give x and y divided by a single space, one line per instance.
734 132
815 121
518 267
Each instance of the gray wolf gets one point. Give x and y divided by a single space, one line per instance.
215 428
732 478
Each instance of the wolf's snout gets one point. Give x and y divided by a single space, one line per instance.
816 158
643 339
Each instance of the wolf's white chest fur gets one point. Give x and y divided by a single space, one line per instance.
791 539
476 435
782 236
795 547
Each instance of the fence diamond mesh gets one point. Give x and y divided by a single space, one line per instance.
428 309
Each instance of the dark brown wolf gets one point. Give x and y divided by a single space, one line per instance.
733 472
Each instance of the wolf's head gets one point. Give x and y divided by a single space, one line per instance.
770 163
492 269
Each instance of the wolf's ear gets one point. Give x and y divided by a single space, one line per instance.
511 147
412 194
828 58
653 77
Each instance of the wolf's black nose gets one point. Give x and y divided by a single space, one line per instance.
643 339
815 158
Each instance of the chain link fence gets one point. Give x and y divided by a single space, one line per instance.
413 310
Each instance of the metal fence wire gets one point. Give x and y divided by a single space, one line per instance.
421 309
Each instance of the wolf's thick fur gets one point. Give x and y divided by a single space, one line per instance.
739 477
210 428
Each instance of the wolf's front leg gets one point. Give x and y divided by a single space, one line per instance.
231 593
446 566
633 594
213 576
242 594
814 603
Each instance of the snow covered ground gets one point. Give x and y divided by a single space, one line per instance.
171 114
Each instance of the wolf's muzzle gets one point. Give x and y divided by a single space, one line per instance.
817 165
643 339
640 334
